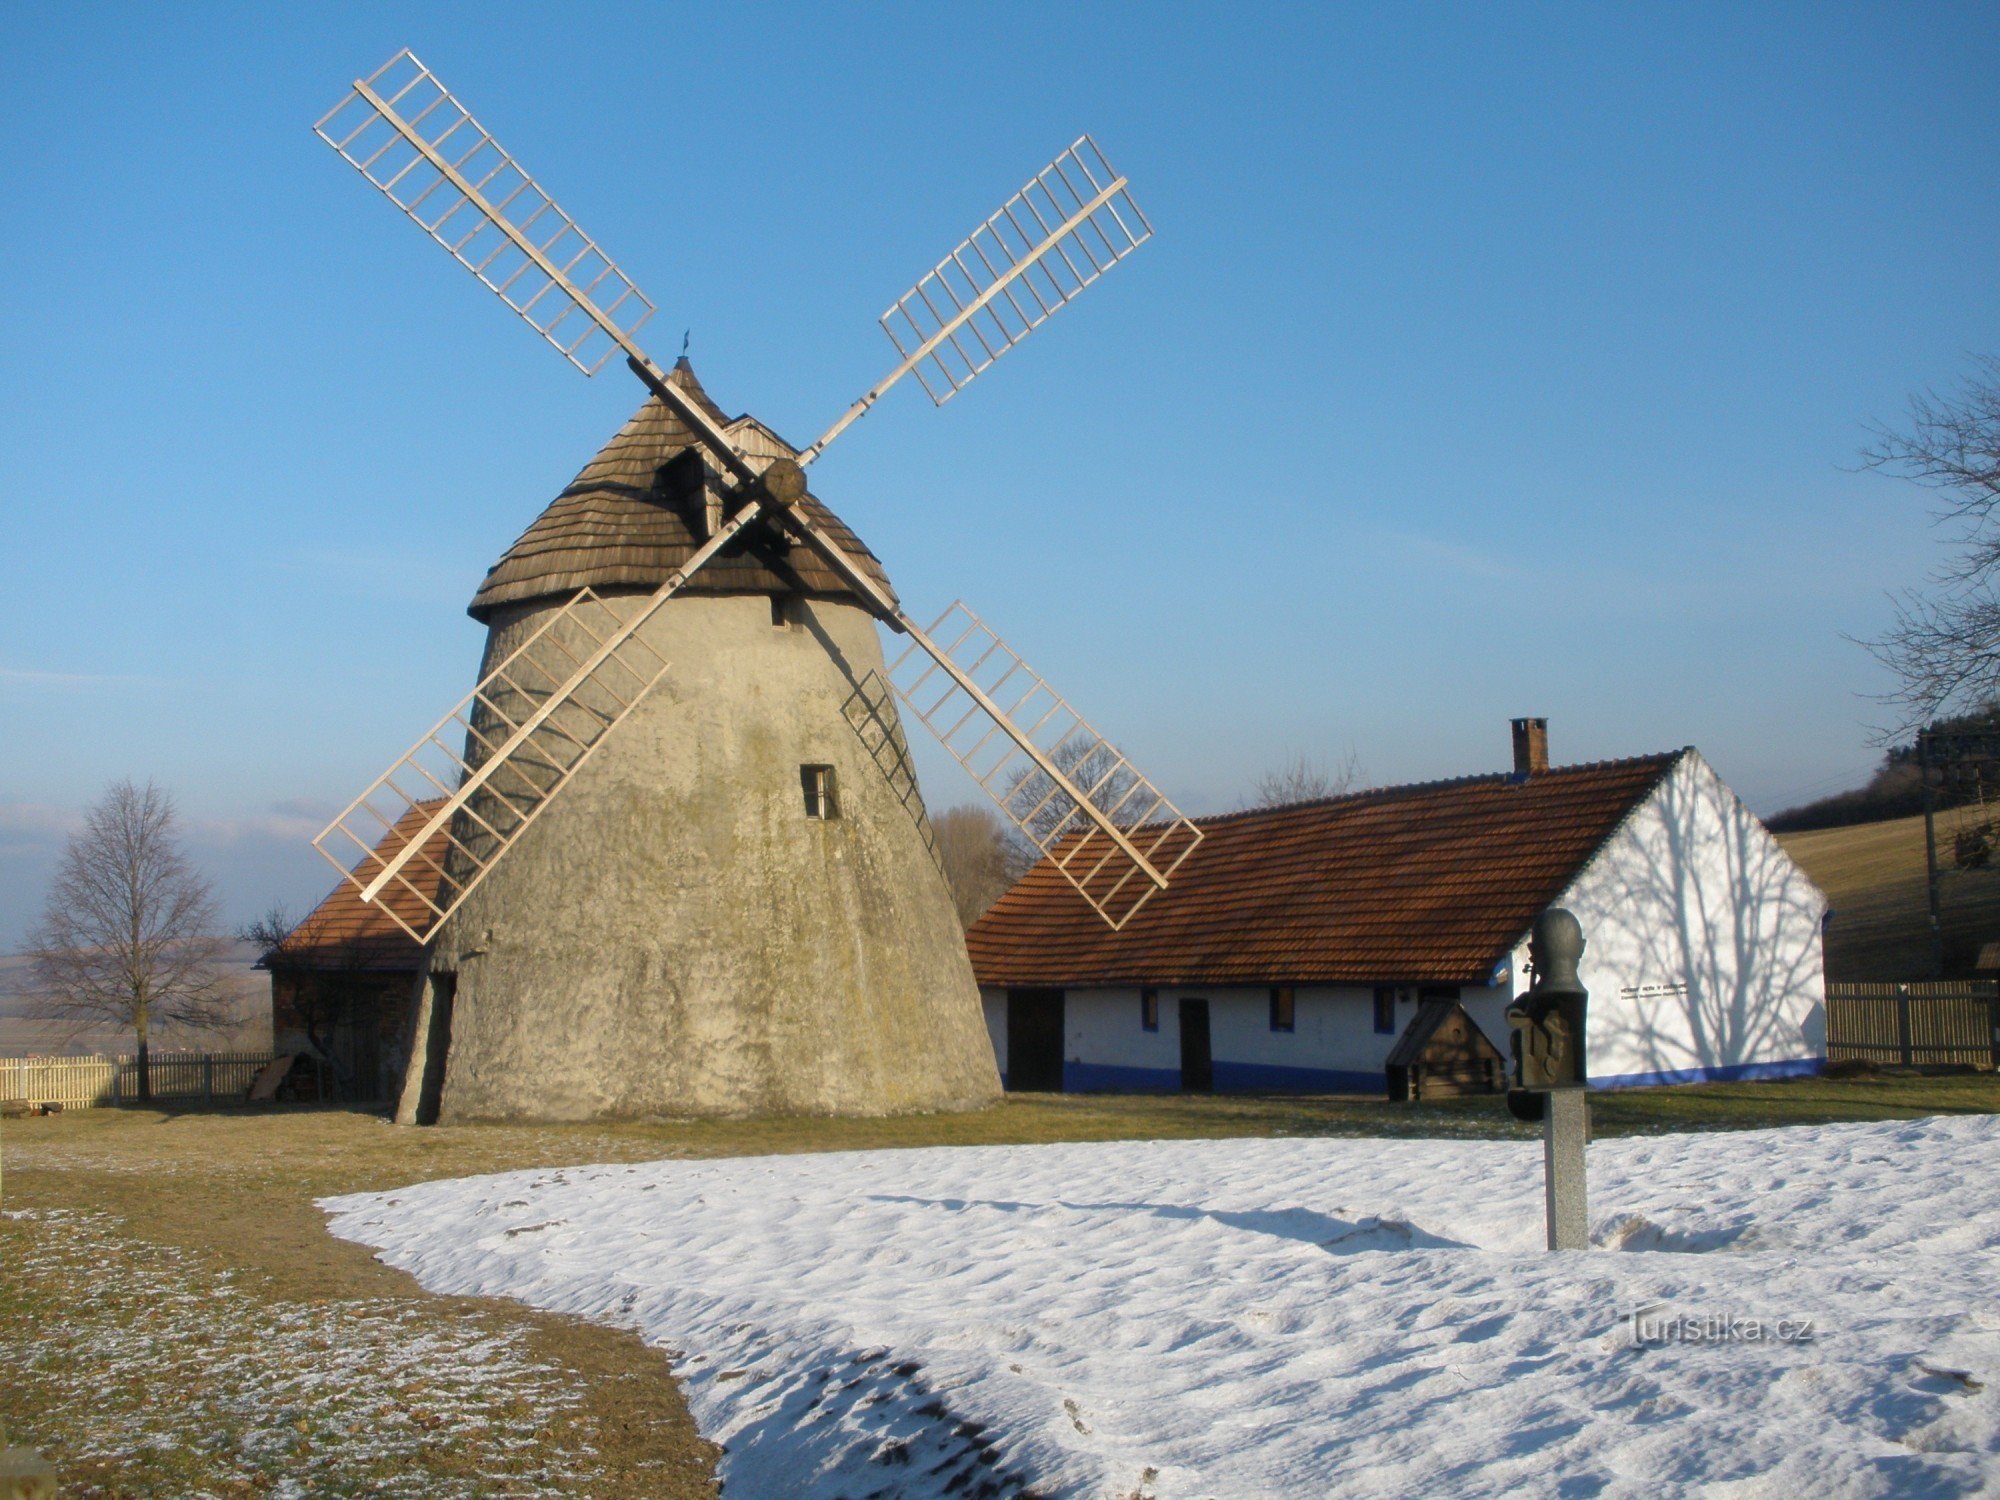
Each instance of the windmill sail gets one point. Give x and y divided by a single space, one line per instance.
1110 831
526 729
1073 221
403 131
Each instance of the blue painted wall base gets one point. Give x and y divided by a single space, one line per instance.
1229 1078
1264 1078
1796 1067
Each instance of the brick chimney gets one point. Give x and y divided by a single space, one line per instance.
1531 746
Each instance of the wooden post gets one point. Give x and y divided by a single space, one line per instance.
208 1078
1930 856
1903 1025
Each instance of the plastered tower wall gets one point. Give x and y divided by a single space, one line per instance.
676 936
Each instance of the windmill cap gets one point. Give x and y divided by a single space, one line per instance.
634 516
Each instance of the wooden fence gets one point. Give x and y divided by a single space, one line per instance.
89 1082
1911 1025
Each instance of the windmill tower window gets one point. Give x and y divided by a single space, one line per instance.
821 801
785 611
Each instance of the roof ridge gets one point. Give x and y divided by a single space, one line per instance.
1478 778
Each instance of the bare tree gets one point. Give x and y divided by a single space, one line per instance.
1303 779
128 932
1944 643
269 931
982 858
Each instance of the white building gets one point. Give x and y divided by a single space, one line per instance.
1294 944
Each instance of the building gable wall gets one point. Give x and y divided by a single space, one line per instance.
1703 956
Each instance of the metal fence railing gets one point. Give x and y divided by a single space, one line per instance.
1911 1025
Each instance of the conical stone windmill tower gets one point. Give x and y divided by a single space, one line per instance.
734 904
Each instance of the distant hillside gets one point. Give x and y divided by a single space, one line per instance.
1895 791
1874 874
28 1029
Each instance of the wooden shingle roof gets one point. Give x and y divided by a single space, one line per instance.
345 934
1435 882
628 520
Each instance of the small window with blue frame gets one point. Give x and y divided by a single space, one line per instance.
1149 1010
1284 1016
1385 1009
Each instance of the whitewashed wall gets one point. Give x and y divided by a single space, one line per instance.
1333 1048
1702 943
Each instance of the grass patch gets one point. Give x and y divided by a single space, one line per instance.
175 1319
195 1386
1874 875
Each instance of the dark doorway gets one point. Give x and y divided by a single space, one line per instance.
1197 1062
436 1042
1035 1041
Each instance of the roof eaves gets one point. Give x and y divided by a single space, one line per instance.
1670 761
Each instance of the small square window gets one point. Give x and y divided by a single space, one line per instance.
822 802
786 611
1283 1016
1149 1010
1385 1009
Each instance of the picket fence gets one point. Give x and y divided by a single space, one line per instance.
1914 1025
91 1082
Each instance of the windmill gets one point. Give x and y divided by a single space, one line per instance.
670 940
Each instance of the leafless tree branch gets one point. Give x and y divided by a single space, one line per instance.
1943 644
1302 778
982 858
128 930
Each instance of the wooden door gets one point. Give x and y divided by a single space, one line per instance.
1035 1041
1197 1062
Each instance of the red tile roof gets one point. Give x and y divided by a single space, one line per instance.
1435 882
344 932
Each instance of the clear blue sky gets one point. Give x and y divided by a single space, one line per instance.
1488 361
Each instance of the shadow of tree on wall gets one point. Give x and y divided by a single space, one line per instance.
1708 899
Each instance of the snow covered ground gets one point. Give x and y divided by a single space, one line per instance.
1283 1317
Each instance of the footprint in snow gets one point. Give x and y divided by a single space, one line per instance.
1637 1232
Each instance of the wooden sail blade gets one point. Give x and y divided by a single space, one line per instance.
1113 834
402 130
526 729
1072 222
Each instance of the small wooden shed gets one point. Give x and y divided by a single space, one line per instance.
1441 1053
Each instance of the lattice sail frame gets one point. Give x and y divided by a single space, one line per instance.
1117 873
1073 221
517 772
428 177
